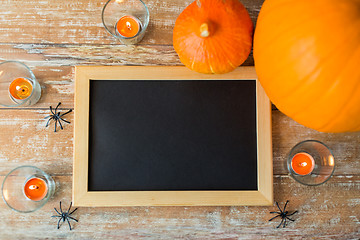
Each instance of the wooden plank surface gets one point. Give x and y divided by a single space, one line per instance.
51 37
62 21
327 211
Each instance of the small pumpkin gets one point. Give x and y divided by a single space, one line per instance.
213 36
307 58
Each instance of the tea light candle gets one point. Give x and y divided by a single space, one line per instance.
20 88
128 26
302 163
35 189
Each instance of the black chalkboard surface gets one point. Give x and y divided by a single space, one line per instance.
168 136
172 135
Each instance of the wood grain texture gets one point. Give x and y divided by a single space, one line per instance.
59 22
51 37
328 211
287 133
53 65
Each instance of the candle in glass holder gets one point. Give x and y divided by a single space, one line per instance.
302 163
20 88
128 26
35 189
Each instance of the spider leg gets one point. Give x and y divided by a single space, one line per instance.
73 211
282 220
57 210
55 216
290 219
60 124
68 223
57 107
60 208
285 205
274 218
64 120
47 124
276 212
293 213
69 207
59 223
73 219
51 110
55 124
284 225
65 113
277 204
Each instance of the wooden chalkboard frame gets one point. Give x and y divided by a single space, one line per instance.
82 197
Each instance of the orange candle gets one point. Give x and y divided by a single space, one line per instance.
20 88
302 163
35 189
128 26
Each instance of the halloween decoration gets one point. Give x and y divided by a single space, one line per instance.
213 36
65 216
308 67
57 117
284 215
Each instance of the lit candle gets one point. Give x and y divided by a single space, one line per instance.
35 189
20 88
302 163
128 26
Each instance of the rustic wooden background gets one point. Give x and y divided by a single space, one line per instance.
51 37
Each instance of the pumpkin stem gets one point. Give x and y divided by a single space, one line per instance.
204 30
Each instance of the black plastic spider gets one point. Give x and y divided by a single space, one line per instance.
56 116
65 216
283 214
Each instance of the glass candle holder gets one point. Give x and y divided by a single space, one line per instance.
126 20
311 163
27 188
18 85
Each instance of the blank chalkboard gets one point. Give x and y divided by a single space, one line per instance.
166 134
172 135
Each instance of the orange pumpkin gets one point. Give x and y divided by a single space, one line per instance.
213 36
307 57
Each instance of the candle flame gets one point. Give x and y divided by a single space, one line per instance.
303 164
33 187
128 25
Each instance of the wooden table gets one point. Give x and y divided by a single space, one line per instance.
51 37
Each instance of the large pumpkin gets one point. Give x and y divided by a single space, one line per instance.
307 57
213 36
